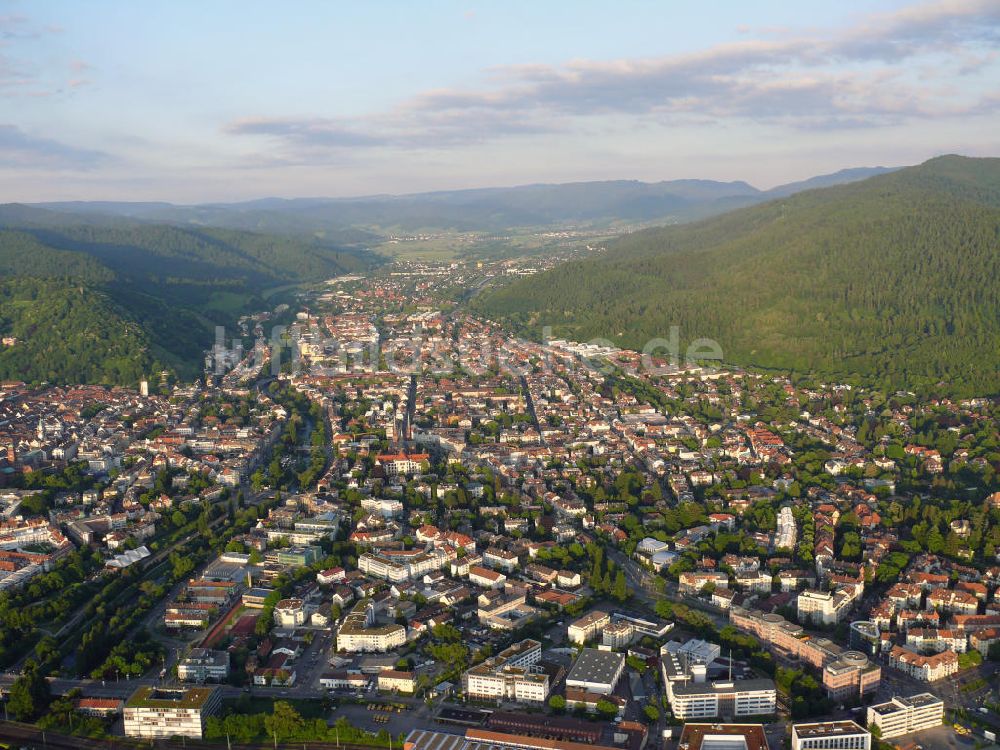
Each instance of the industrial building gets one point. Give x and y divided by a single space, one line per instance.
596 671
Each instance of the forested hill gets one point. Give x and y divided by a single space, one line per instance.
893 279
112 302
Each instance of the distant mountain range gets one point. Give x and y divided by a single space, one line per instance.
891 279
361 220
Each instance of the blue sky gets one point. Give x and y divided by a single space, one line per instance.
199 101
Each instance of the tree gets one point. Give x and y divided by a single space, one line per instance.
285 722
607 709
557 703
29 695
652 712
620 589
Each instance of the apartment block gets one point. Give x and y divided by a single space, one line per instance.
588 627
358 632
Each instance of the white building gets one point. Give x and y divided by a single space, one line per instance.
822 607
488 579
399 566
904 715
384 506
290 613
204 665
587 627
358 632
787 531
830 735
596 671
164 712
730 698
618 634
512 674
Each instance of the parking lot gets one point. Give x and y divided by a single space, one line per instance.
942 738
378 714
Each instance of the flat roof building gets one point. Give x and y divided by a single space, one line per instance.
850 677
359 632
511 674
596 671
830 735
723 698
204 665
165 712
484 739
723 737
904 715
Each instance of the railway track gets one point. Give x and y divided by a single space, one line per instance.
27 735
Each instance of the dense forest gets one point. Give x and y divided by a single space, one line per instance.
893 279
68 333
111 303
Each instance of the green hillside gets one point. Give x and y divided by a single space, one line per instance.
893 279
70 334
108 303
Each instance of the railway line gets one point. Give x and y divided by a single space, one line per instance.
24 735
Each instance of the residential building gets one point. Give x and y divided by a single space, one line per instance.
395 681
588 627
289 613
618 634
926 668
822 607
488 579
693 582
358 632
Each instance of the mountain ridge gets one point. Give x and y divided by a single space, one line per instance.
600 202
891 278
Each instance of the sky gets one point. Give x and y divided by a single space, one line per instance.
187 101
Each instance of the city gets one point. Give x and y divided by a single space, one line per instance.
423 529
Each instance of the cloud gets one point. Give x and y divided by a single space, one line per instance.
306 132
23 151
917 29
303 140
19 76
858 76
